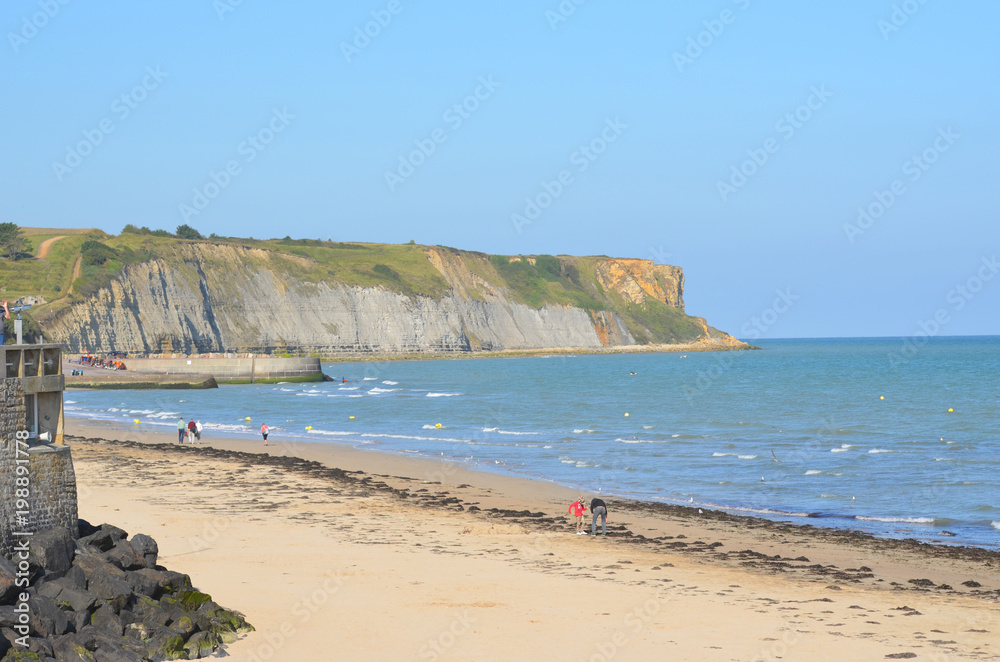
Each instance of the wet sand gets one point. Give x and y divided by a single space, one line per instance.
334 553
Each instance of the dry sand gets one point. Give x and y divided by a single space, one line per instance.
390 560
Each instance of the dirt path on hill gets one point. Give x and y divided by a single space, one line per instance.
43 248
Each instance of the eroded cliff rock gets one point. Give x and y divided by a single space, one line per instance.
230 298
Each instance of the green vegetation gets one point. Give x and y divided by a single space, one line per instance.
12 243
307 264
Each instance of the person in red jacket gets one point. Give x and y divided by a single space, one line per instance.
577 509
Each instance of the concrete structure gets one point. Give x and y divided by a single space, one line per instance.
229 370
37 480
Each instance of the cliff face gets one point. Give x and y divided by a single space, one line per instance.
229 298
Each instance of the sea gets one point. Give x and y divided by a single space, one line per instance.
898 437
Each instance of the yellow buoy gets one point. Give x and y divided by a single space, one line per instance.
309 427
437 425
136 421
881 397
352 418
247 419
626 413
950 410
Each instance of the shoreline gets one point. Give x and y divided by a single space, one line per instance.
323 450
526 494
434 561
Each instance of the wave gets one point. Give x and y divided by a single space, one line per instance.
379 435
428 426
875 451
813 472
329 433
390 383
443 395
843 448
902 520
348 388
747 457
717 454
519 434
640 441
69 402
995 525
369 379
579 431
382 390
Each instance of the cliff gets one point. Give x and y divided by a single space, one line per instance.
331 299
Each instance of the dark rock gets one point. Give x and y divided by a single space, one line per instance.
921 582
972 584
110 589
165 644
180 620
146 547
124 556
67 598
76 577
201 644
8 577
67 649
53 549
91 563
46 618
116 533
105 617
144 585
80 620
100 541
85 528
168 580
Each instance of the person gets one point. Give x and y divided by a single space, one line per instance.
599 509
577 509
181 429
192 428
263 432
6 316
197 430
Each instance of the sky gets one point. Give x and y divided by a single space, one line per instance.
819 169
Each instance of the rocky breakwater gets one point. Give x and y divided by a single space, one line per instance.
103 598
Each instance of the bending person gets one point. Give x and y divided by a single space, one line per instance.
599 509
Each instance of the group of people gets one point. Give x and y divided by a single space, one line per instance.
190 431
98 362
597 508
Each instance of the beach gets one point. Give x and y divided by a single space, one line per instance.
336 553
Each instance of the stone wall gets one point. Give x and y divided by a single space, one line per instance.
233 369
52 480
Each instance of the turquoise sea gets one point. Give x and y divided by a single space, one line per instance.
702 429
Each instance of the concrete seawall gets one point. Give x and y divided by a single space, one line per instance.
234 370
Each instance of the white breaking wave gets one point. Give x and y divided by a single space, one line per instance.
747 457
390 383
428 426
370 379
443 395
843 448
995 525
722 454
518 433
879 450
813 472
579 431
331 433
904 520
348 388
382 390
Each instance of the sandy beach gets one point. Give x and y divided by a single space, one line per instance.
339 554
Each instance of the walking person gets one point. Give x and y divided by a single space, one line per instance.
599 509
192 429
577 509
197 430
263 432
181 430
6 316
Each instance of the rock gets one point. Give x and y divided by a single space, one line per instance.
165 644
46 618
80 620
110 589
53 550
67 649
67 598
91 563
85 528
76 577
146 547
201 644
124 556
168 581
181 620
8 577
105 617
143 585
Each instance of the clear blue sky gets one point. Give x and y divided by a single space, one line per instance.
202 81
